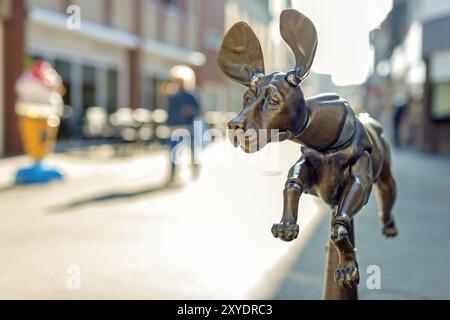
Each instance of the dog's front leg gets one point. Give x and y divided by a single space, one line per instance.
299 179
355 194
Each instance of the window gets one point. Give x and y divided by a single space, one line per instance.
88 87
148 92
65 71
171 3
154 95
440 105
111 91
159 93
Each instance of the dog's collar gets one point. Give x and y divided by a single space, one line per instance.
305 124
255 78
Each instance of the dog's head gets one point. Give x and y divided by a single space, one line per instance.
273 105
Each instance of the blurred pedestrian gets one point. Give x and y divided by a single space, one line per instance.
400 108
183 110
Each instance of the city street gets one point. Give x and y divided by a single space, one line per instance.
132 235
90 91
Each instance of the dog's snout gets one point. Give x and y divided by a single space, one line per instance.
236 124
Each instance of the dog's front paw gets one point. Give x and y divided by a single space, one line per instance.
285 230
390 230
347 274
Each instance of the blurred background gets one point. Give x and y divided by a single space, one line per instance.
119 226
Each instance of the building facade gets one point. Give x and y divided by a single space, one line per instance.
3 13
121 52
435 20
412 60
110 53
116 53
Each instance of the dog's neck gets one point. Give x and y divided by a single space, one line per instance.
297 136
329 123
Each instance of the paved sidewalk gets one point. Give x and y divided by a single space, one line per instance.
414 265
131 236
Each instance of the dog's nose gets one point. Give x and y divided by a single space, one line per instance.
236 124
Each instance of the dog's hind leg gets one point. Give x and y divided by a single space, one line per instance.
355 194
299 179
386 194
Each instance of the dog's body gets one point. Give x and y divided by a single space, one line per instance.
331 152
343 155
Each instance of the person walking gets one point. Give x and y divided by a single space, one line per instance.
183 110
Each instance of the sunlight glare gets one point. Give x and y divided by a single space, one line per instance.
343 27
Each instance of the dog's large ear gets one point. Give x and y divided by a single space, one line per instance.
301 36
240 56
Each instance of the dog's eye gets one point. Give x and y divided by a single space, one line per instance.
247 99
274 100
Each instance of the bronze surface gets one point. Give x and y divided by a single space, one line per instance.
343 154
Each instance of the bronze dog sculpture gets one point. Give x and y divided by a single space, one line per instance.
343 154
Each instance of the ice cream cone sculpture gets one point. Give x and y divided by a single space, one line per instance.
39 107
